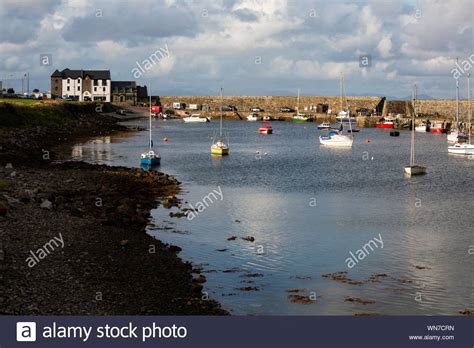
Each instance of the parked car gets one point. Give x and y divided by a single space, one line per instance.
256 109
286 109
229 108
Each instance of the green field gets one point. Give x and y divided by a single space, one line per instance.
21 101
29 112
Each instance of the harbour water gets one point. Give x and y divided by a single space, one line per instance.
308 208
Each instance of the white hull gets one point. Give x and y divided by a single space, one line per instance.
462 149
420 129
337 141
195 119
415 170
456 136
344 119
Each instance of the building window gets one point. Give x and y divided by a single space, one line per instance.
68 88
78 88
78 80
103 89
104 82
68 80
95 89
96 83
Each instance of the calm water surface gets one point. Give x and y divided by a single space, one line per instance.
307 207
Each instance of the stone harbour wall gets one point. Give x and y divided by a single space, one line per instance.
271 104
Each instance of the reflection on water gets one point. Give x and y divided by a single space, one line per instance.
307 206
97 149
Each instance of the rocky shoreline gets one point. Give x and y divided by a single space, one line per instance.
72 234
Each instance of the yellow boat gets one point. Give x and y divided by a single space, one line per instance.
219 146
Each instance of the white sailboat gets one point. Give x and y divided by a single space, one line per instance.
335 138
467 148
344 116
219 146
195 118
150 158
414 169
456 135
299 117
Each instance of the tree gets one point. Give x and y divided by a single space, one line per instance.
11 91
36 90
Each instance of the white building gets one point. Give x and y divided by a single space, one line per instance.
81 85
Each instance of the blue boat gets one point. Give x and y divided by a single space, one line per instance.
150 158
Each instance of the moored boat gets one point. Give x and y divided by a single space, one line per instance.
195 118
150 158
219 146
334 139
300 118
422 128
266 128
463 147
253 117
438 128
383 123
413 168
324 125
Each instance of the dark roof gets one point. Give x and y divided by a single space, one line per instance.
124 84
74 74
142 92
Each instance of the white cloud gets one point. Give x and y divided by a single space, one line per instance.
385 47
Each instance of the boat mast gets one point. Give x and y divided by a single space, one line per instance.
457 101
469 104
412 149
340 91
150 112
222 100
298 104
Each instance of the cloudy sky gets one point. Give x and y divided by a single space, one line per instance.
250 47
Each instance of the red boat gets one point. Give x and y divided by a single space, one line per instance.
383 123
438 128
266 128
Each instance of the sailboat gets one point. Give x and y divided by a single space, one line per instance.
456 135
150 158
460 147
336 138
219 146
344 116
299 117
414 169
